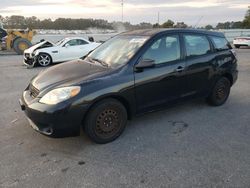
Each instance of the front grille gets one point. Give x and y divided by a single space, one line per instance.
34 92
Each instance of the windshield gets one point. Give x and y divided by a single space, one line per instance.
60 42
118 50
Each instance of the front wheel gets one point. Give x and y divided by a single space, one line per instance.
44 59
106 121
220 92
237 46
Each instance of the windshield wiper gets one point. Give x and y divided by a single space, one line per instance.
94 60
103 63
89 59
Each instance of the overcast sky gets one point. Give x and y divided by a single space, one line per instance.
135 11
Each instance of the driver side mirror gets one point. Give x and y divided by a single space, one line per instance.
145 63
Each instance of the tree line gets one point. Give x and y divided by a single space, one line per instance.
245 24
21 22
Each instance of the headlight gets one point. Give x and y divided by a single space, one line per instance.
34 53
60 94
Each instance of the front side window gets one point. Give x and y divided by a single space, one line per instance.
73 42
164 50
220 43
196 45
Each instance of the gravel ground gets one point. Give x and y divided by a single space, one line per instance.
189 145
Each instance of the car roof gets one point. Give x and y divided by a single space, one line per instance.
152 32
70 38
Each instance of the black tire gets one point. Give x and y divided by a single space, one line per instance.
220 92
21 44
237 46
106 121
44 59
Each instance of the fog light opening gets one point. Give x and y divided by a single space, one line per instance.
48 131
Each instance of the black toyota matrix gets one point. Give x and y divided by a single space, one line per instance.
131 74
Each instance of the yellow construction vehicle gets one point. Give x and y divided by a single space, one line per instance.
17 40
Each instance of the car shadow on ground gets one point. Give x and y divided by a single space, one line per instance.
172 121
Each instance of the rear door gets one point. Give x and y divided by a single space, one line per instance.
225 58
157 86
200 61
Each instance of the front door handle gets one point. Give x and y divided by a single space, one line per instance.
179 69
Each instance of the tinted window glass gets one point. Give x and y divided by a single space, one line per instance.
81 42
73 42
196 45
220 43
164 50
118 50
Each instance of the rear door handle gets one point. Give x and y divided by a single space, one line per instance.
179 69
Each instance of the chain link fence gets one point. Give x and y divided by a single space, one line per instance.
232 33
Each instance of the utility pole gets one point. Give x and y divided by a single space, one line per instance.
122 10
158 20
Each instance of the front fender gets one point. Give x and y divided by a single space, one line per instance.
40 51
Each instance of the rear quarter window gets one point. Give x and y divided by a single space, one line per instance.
220 43
81 42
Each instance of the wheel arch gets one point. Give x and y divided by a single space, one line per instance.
41 52
121 99
218 76
229 77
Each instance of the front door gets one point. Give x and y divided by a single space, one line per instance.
165 82
71 50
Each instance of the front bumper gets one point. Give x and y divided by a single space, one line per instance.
235 76
53 120
29 61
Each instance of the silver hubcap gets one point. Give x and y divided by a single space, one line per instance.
44 60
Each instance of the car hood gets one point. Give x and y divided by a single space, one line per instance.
73 72
44 44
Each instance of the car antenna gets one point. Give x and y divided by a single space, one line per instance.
198 21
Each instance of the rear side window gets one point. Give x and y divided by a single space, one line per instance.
81 42
196 45
220 43
76 42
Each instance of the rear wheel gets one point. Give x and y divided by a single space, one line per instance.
237 46
21 44
44 59
106 121
220 92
